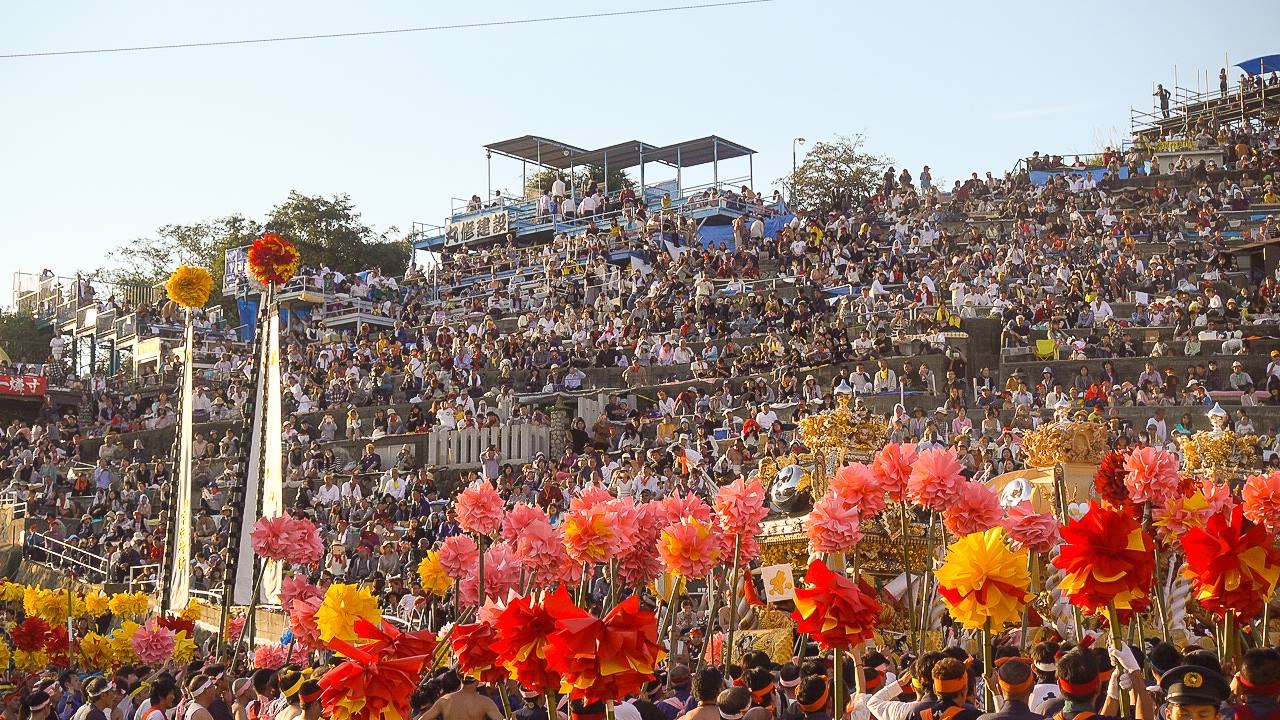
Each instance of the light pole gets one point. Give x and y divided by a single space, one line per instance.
796 141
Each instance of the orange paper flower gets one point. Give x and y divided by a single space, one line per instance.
1233 563
474 646
689 548
373 684
524 629
1106 558
605 659
272 259
833 610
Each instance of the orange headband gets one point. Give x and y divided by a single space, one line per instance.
1019 689
762 693
818 704
954 685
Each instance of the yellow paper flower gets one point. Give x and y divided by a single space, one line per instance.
132 605
192 610
189 286
11 591
984 581
97 650
96 604
121 645
29 662
48 605
434 578
343 604
184 648
5 654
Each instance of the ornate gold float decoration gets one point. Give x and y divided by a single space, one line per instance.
1220 455
1065 442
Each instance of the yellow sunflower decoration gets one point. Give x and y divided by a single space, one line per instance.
97 650
184 648
984 581
29 662
121 643
343 604
5 654
133 605
96 604
434 578
189 286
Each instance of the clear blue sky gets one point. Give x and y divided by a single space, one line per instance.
101 149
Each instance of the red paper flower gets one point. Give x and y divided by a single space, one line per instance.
372 684
177 623
833 610
30 635
1109 480
58 647
524 629
475 646
272 259
388 641
1233 563
604 659
1106 558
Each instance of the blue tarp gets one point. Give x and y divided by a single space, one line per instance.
1261 65
248 307
716 234
1040 177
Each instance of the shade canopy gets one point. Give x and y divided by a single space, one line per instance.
560 155
1261 65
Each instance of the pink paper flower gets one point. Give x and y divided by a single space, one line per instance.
1261 498
1038 532
153 644
1179 515
1152 475
833 526
892 467
235 626
287 539
589 497
858 485
501 576
690 548
678 507
626 523
296 587
522 516
1217 497
976 508
740 507
569 573
638 564
748 550
638 569
302 621
460 556
935 478
479 509
540 548
269 657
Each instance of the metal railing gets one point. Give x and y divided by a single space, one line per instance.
51 552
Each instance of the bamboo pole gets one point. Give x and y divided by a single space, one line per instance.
906 569
988 699
733 604
1117 640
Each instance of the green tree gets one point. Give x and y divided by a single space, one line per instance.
327 230
582 177
21 339
834 175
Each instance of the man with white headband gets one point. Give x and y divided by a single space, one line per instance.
1044 660
200 690
101 694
